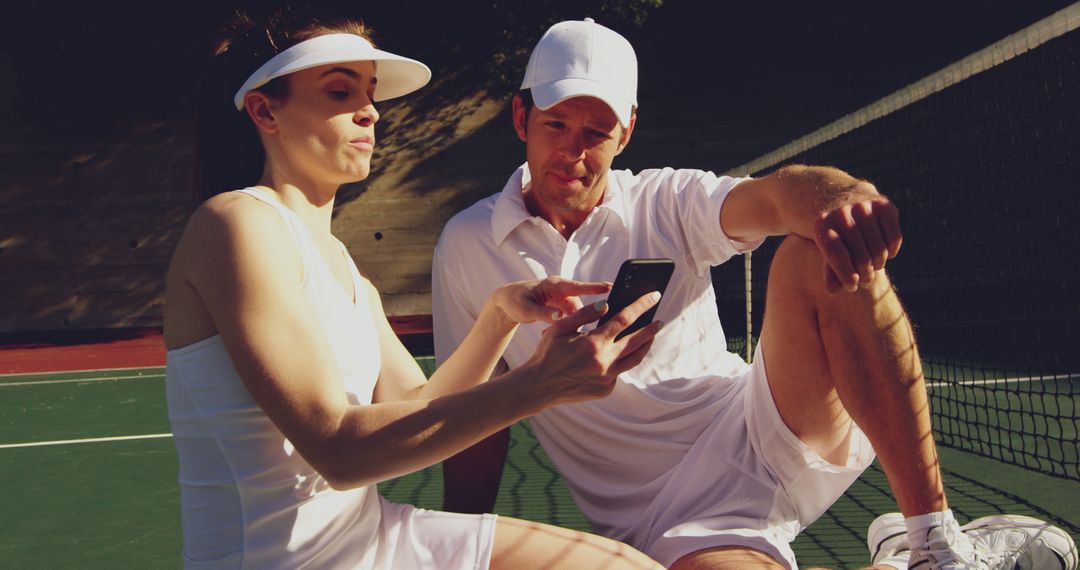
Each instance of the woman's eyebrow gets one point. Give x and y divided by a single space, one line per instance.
349 72
340 69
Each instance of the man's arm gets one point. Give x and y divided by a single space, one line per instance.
470 478
856 228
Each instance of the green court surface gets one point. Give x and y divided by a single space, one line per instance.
78 496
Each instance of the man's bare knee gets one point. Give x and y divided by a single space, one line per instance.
798 265
797 260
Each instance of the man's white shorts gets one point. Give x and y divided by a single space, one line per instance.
749 481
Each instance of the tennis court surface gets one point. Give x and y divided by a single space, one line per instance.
89 470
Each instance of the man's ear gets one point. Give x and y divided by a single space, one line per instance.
519 117
258 107
625 138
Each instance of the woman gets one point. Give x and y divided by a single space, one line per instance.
289 394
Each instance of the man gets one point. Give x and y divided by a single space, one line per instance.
697 458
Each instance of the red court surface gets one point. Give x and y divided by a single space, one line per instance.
60 351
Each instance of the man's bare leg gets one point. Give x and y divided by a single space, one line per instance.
834 358
831 358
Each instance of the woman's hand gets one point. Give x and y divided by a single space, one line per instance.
544 300
569 366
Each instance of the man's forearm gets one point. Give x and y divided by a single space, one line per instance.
803 193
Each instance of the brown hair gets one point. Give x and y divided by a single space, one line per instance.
527 103
228 152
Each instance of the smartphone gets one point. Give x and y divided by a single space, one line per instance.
636 278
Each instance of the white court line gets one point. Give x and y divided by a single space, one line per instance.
1017 379
91 440
51 372
80 380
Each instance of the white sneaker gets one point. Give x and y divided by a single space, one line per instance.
946 547
1001 542
887 541
1019 542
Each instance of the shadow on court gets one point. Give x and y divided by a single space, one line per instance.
114 503
533 490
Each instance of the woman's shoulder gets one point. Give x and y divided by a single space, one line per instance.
234 208
234 215
234 224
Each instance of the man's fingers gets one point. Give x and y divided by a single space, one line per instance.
857 240
857 251
871 234
835 253
890 229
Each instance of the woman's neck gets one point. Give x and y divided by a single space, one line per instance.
311 200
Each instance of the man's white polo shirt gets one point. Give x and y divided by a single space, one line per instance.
615 453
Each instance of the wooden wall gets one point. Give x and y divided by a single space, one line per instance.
95 134
90 211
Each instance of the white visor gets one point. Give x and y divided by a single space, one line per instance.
397 75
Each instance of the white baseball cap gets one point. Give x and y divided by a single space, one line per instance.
583 59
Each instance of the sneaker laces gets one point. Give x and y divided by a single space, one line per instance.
1001 560
949 549
997 551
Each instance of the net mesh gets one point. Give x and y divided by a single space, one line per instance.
983 160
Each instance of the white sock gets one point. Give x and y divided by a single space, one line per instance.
917 525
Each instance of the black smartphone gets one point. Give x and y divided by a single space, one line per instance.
636 278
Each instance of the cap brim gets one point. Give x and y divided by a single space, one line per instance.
398 75
550 94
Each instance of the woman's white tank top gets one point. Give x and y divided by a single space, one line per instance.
248 500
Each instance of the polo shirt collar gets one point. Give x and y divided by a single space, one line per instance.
510 211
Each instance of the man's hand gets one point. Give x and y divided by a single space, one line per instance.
855 240
856 229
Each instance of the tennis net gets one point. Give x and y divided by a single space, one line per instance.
983 160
